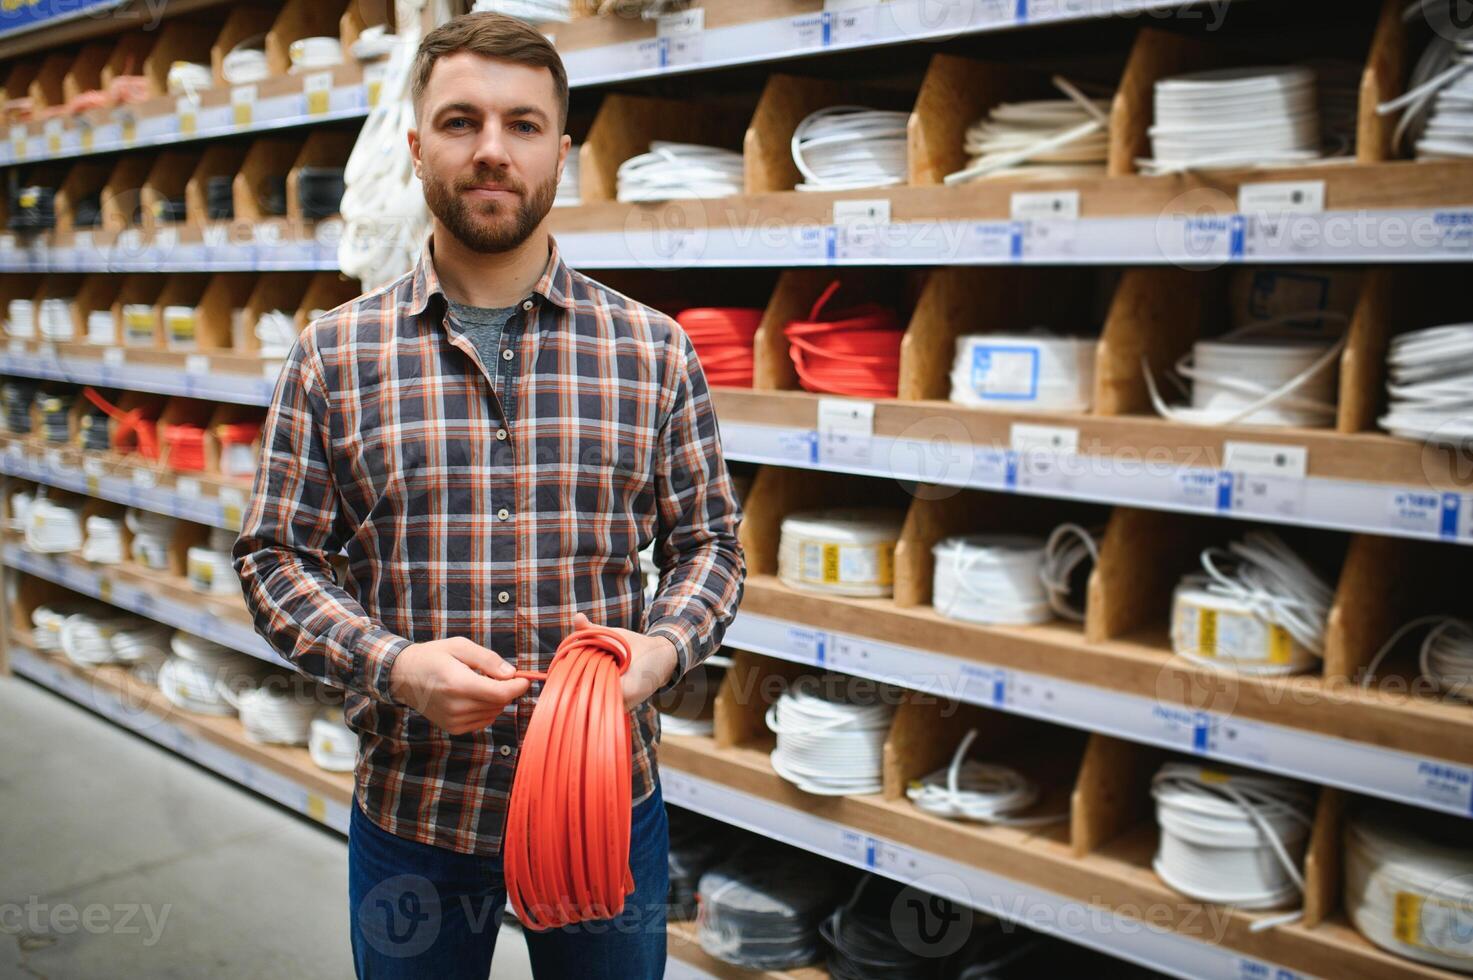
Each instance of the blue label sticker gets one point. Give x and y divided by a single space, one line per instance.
1451 505
1010 477
1224 491
1236 231
1005 372
1015 241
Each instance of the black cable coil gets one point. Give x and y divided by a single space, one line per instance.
171 209
55 422
87 212
320 189
18 396
32 208
696 844
271 196
761 908
95 431
220 197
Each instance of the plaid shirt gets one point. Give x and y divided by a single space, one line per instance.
490 501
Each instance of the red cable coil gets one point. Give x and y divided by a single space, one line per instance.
230 433
722 337
186 444
131 422
565 856
854 352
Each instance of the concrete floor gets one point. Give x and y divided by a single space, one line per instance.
121 859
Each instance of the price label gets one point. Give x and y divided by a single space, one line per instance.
316 808
1025 437
1282 197
128 128
18 141
373 82
85 135
1268 459
317 89
145 478
845 431
860 229
196 363
684 34
232 505
53 128
242 103
1045 206
187 487
188 115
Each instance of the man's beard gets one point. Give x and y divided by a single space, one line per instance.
466 220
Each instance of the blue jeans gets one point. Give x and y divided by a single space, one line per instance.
419 911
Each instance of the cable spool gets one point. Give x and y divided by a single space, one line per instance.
48 619
138 324
1282 380
313 53
840 551
104 544
862 941
276 709
151 535
723 337
1037 372
18 396
87 212
1042 139
53 528
855 351
87 637
984 792
697 843
1439 92
1069 556
276 332
991 578
1409 883
1257 608
761 911
210 568
55 411
320 191
848 146
674 171
1234 117
1444 657
101 327
141 642
20 319
246 63
198 670
569 194
331 743
185 443
192 687
189 78
829 743
237 441
136 428
1232 837
32 208
1430 386
180 327
55 320
220 197
20 508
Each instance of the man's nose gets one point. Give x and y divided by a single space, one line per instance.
491 148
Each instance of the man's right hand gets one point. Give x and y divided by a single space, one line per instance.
458 685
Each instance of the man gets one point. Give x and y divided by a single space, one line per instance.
490 439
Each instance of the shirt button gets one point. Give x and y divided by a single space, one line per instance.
505 750
527 305
503 597
507 355
501 434
503 514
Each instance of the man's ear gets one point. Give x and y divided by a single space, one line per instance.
413 136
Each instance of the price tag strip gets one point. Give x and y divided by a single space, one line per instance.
1324 759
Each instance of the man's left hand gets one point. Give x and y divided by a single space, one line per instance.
650 666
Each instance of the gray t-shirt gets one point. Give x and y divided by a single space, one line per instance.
484 326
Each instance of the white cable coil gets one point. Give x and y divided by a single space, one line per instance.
1281 380
237 459
671 724
1069 550
187 78
274 708
138 323
312 53
373 42
53 528
151 535
1234 117
1430 385
849 146
1232 837
1444 657
1042 139
101 327
828 743
990 578
1438 100
1257 608
141 642
20 319
87 638
569 194
1409 883
331 743
104 544
20 509
672 171
1024 371
246 62
56 319
48 619
198 670
969 789
197 649
840 551
180 326
210 567
276 332
192 687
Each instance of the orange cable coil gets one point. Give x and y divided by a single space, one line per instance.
134 422
855 351
722 337
186 443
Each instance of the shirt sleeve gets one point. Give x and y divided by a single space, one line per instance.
702 568
292 526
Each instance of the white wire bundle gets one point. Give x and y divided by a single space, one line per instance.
1041 139
276 332
246 62
840 551
1409 883
274 708
331 743
1234 117
55 321
990 578
1232 837
1444 657
1033 371
1281 380
48 619
569 195
848 146
534 11
1271 613
385 219
141 642
373 42
104 544
312 53
1438 102
52 528
968 789
187 78
829 743
138 323
195 675
101 327
192 686
87 637
210 567
1069 549
20 319
20 508
1430 389
672 171
151 535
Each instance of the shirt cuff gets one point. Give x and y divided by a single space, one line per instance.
374 651
682 634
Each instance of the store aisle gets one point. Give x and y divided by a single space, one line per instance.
120 859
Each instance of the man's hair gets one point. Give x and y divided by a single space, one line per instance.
491 35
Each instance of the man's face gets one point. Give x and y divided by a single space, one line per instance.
488 149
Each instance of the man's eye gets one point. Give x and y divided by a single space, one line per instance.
457 123
526 127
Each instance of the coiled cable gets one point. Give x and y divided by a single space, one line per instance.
189 78
1429 391
104 544
141 642
1439 93
210 567
276 332
1034 371
991 578
331 743
761 910
55 410
151 536
829 742
1444 657
723 337
53 528
840 551
246 62
849 146
313 53
20 319
138 324
55 320
855 351
32 208
185 442
671 171
275 708
48 619
180 323
137 427
984 792
862 941
1042 139
18 397
101 327
1069 555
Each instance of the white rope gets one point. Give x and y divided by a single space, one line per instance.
849 146
670 171
1438 101
968 789
1283 380
1444 657
20 319
210 568
104 544
1069 548
246 62
1232 838
829 743
990 578
56 319
840 551
331 743
312 53
1430 384
274 708
151 536
1042 139
1033 371
53 528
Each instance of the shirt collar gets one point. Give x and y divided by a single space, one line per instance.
555 285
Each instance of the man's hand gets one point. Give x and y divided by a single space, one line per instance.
458 685
650 666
